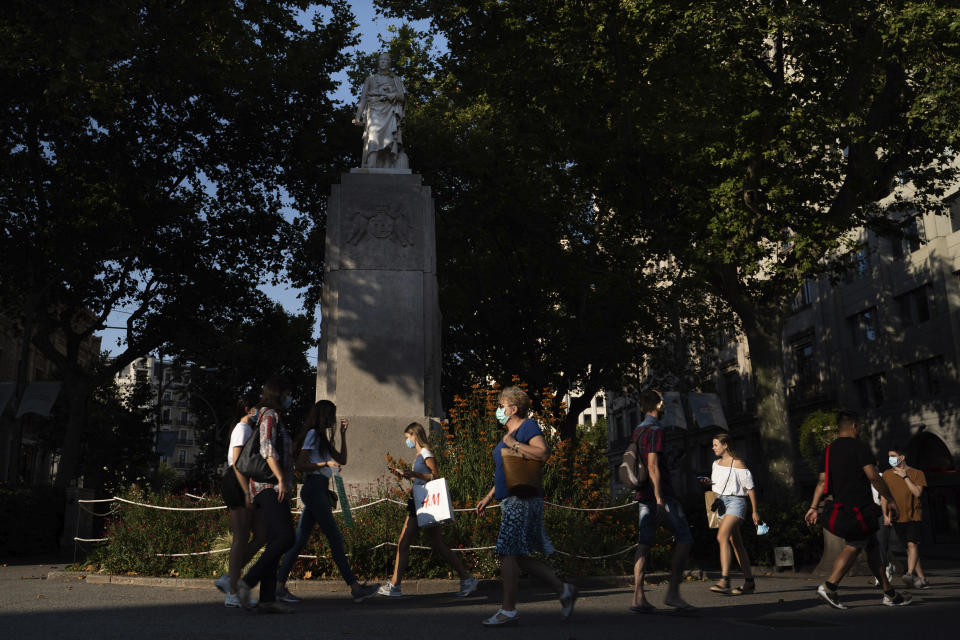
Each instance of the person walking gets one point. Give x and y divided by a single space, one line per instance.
906 485
319 460
848 472
521 518
733 483
424 470
245 518
271 497
658 504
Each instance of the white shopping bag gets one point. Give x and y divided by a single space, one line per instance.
433 503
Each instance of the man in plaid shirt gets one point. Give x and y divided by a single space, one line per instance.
658 505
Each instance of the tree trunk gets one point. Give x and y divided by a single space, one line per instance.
763 329
78 391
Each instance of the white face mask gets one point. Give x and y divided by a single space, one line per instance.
893 460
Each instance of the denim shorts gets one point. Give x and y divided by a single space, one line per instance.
672 518
734 506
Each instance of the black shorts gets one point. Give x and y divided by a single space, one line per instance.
862 543
233 494
909 531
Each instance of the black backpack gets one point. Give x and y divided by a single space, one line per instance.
633 471
250 463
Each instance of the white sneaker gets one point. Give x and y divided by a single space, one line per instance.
390 591
232 601
502 617
223 583
921 583
898 600
467 587
830 597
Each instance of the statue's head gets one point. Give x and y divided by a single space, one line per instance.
383 61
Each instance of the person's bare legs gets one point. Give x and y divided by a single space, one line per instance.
240 520
843 562
510 576
639 573
743 558
913 560
541 572
438 545
680 553
403 550
724 534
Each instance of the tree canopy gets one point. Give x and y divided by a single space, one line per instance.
149 149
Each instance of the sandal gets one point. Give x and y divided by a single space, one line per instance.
645 607
749 586
500 618
722 587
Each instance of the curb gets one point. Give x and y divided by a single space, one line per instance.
425 586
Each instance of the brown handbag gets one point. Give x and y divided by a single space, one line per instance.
523 475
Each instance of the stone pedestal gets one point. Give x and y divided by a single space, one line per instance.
379 357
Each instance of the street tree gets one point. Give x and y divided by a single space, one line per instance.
745 140
149 149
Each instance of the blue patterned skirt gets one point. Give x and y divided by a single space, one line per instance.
521 528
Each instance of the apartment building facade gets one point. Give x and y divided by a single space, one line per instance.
175 435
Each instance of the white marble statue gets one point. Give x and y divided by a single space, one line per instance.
380 112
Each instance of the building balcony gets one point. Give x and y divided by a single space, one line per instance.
807 392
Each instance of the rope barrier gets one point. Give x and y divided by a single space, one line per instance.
91 539
619 506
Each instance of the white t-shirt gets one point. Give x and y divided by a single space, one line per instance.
316 456
727 483
240 434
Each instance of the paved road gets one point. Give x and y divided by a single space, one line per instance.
32 606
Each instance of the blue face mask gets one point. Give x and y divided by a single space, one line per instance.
502 416
893 460
287 402
411 444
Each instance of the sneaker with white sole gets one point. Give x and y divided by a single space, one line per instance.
243 595
232 601
898 600
390 591
501 618
921 583
567 599
467 587
284 595
223 583
890 571
365 591
830 597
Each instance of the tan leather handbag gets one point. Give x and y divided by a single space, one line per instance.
524 476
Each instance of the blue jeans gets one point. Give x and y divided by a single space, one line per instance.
672 517
316 511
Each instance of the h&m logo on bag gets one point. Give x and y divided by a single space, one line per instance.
432 499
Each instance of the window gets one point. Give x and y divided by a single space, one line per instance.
804 364
165 416
587 419
858 265
917 306
870 390
804 297
183 457
863 326
731 391
926 377
914 235
599 401
167 398
182 436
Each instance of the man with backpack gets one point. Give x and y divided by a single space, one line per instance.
658 504
848 472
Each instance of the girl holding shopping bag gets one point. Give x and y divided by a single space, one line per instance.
424 470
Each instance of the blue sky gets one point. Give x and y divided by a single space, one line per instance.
370 26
